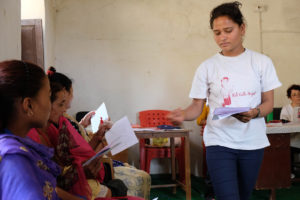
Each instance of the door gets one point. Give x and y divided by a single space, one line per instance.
32 41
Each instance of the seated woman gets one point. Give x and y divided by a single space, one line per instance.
288 111
137 181
291 112
26 169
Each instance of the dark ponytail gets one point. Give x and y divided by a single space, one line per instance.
58 82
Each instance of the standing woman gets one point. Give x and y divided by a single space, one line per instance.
26 169
234 77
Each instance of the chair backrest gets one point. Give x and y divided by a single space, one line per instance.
80 115
153 118
276 113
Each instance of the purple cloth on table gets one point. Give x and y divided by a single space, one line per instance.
26 169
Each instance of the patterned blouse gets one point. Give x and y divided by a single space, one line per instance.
26 169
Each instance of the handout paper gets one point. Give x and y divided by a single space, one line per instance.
223 112
121 136
100 114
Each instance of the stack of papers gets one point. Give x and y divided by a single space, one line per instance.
146 129
274 124
221 113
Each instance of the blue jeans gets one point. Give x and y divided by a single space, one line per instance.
233 172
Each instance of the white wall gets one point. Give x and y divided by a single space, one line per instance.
136 55
10 34
33 9
49 39
281 41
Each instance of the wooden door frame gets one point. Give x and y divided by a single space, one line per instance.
38 36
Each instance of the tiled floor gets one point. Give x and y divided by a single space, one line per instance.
198 189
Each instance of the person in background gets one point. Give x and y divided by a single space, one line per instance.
235 144
291 113
288 111
26 169
201 121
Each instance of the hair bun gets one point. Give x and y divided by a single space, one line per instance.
51 70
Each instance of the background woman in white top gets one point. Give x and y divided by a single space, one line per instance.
288 112
291 112
234 144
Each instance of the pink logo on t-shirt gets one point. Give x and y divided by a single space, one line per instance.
225 90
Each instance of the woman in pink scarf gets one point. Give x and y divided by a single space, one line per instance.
71 150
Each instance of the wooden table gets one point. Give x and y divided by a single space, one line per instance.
275 171
172 134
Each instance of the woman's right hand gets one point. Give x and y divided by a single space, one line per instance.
176 116
86 120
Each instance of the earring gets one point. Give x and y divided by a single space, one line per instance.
30 113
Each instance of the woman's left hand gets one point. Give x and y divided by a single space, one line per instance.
103 128
98 136
92 170
246 116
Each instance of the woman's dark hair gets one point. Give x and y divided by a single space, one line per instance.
18 79
292 87
58 82
231 10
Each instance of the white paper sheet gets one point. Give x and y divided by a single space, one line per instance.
223 112
101 113
121 136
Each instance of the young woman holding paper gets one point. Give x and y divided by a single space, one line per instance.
234 77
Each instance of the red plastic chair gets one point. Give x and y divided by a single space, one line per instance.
153 118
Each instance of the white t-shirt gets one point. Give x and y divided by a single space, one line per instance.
235 82
288 112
